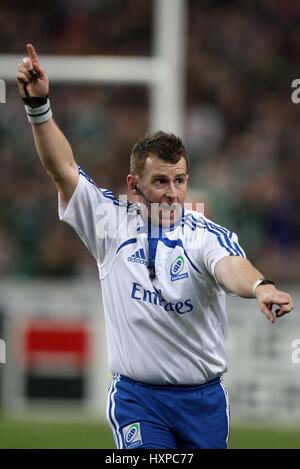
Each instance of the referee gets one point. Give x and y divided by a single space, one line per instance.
164 273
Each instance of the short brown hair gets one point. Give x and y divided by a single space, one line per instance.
165 146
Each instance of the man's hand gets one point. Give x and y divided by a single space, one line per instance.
31 75
268 296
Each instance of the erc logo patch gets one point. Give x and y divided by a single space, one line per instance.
132 435
176 269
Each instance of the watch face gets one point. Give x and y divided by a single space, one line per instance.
267 282
262 281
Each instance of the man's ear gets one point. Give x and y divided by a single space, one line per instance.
132 182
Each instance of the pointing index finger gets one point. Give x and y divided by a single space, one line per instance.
32 53
35 62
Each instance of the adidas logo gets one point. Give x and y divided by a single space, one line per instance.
138 257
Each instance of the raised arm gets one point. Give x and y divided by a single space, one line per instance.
239 276
52 146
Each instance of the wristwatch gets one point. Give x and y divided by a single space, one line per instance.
261 281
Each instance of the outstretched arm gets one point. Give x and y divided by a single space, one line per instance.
52 146
238 276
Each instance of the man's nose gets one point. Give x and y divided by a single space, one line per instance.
171 192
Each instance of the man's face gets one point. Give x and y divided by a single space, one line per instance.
164 187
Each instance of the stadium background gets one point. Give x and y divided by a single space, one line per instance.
241 131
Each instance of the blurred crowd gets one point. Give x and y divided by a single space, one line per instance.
241 125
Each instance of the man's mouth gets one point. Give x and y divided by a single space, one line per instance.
167 208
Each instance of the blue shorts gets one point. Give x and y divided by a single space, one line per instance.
171 417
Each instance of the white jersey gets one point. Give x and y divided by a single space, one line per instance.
169 329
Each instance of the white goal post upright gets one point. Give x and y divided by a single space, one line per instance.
163 72
167 95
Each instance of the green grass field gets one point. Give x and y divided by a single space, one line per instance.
27 434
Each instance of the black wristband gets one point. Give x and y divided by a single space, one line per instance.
35 101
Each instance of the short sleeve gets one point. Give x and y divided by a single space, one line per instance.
218 243
92 215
